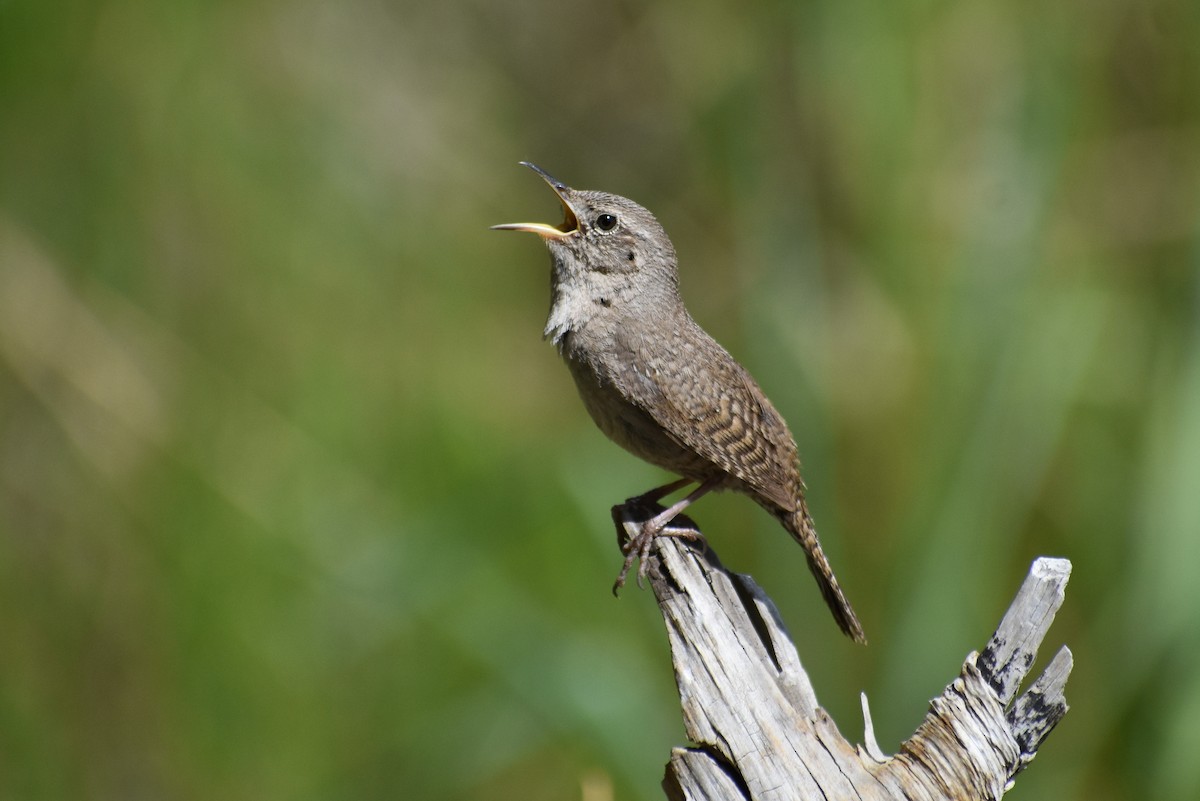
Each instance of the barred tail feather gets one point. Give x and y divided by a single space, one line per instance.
800 525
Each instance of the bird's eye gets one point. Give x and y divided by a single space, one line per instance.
606 222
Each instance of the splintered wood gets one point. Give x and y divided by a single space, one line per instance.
758 732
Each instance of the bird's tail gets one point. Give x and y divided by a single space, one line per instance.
800 525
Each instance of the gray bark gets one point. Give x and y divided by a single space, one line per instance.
759 733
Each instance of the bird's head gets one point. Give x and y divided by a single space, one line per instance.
604 243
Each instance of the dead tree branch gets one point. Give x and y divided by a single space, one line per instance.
759 733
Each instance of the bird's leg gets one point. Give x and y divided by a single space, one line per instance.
639 547
658 493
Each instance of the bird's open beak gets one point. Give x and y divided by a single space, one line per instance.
570 223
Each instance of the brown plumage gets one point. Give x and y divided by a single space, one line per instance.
656 383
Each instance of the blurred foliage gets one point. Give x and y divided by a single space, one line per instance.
294 504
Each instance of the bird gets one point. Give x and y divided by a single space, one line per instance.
657 384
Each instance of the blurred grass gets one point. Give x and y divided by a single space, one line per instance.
294 503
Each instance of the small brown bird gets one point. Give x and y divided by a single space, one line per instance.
656 383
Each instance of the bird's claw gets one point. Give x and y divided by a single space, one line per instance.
638 548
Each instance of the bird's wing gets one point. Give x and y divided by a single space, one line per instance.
709 404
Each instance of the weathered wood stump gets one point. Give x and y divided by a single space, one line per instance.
753 718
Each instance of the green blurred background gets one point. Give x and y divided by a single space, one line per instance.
295 504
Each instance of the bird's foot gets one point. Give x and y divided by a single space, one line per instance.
638 547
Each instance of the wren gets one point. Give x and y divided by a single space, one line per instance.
657 384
